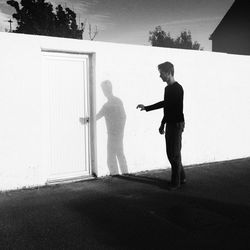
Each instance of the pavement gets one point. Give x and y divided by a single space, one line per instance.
211 211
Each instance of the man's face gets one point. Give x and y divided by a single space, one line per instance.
164 76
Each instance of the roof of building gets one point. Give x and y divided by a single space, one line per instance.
237 18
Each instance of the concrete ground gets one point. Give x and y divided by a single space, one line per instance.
212 211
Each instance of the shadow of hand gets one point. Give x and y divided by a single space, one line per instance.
84 120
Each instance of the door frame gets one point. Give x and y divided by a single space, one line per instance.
92 157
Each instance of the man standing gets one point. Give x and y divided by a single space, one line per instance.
173 119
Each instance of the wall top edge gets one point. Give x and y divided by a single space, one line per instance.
47 44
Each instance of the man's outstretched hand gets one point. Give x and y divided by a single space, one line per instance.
141 107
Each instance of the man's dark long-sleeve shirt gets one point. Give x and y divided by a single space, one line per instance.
172 104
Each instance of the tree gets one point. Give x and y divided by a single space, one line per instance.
38 17
160 38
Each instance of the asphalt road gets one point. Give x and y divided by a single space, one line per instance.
211 211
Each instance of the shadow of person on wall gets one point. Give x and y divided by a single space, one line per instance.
115 117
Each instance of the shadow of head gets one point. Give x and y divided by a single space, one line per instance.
113 110
107 88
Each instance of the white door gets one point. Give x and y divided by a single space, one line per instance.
65 89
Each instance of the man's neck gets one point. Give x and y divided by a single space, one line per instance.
171 81
110 97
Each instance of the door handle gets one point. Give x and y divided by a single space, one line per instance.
84 120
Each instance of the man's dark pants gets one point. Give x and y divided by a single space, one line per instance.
173 138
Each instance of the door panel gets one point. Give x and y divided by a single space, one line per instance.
67 95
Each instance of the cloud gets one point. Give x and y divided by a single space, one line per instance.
192 21
5 15
4 21
89 9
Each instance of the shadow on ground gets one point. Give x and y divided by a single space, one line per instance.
133 212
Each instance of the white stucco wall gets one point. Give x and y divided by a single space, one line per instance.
216 104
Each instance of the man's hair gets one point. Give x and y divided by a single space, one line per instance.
166 67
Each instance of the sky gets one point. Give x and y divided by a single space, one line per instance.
129 21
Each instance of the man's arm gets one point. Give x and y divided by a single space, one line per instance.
99 115
155 106
162 127
164 120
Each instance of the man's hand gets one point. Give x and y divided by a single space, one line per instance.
141 107
84 120
161 129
